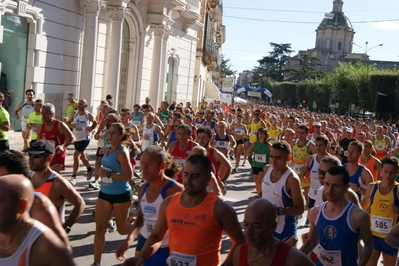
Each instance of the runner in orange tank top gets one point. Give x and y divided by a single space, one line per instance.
369 161
195 219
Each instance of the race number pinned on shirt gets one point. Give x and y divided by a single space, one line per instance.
180 259
328 257
381 224
260 158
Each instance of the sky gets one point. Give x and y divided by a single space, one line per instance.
248 38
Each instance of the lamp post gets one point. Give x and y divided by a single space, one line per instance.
367 49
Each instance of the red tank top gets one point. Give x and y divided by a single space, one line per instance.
216 164
278 260
54 136
197 224
181 156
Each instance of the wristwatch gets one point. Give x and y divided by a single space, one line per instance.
109 174
280 211
67 229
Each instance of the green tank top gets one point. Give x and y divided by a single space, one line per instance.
261 154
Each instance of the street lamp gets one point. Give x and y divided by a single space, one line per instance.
367 49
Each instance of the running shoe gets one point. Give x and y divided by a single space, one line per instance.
73 181
89 174
111 226
95 264
94 185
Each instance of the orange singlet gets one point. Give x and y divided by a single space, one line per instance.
370 165
195 235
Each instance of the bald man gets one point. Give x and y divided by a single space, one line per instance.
23 240
43 210
261 247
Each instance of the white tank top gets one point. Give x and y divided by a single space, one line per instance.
18 257
26 110
314 177
275 193
81 121
319 196
150 216
149 140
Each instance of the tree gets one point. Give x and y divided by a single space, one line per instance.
226 68
304 68
272 66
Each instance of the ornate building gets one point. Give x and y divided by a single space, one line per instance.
334 43
334 36
130 49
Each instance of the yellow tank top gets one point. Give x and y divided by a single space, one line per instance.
70 108
299 154
274 135
253 128
380 145
382 220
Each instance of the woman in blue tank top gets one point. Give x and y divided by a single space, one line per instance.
115 193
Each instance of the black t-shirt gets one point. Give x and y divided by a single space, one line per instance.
344 144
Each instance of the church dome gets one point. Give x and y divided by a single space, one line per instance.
336 20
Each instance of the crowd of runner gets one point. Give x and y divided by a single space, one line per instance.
339 172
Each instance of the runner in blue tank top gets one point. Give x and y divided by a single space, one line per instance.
337 225
360 176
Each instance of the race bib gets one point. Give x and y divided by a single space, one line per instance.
380 146
328 257
180 259
106 180
150 224
297 168
254 132
260 158
313 191
181 162
79 129
136 123
381 224
239 131
222 144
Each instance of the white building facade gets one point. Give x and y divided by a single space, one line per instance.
129 49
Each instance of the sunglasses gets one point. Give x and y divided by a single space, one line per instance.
256 114
34 156
323 173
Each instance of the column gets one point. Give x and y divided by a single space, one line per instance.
156 66
164 59
114 47
88 70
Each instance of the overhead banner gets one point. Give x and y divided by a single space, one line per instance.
254 94
228 84
226 98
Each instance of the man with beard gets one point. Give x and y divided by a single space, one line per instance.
25 241
51 184
197 215
261 247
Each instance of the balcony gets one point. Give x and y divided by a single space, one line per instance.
192 10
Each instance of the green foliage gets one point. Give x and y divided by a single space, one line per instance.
226 68
353 83
305 68
272 66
